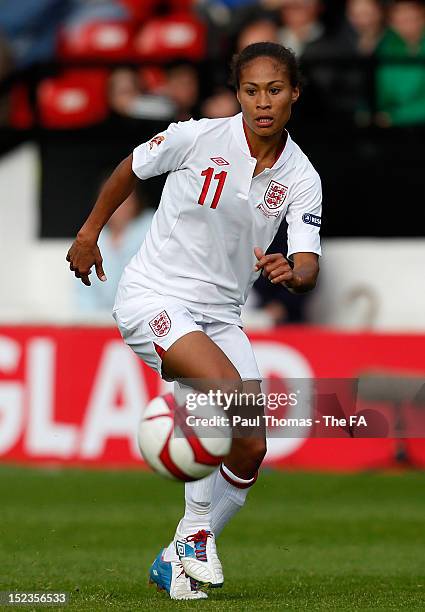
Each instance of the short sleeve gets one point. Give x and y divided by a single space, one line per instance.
304 216
166 151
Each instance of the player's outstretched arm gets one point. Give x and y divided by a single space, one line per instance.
84 252
299 279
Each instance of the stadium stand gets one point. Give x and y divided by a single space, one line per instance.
173 56
75 99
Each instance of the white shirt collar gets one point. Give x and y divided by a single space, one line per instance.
239 134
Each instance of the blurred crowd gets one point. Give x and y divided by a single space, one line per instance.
363 62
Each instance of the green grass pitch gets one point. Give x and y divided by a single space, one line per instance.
302 542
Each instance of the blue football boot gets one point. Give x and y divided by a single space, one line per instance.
170 576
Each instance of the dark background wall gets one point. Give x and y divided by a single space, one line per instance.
373 179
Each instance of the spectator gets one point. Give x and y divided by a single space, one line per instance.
304 33
182 88
30 28
223 103
118 242
301 25
400 87
83 11
365 24
6 66
278 305
221 12
6 62
341 82
260 30
232 4
127 99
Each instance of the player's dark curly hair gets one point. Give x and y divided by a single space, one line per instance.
265 49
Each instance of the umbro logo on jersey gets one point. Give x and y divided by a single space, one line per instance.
220 161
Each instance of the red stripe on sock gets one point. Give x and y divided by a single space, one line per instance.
238 485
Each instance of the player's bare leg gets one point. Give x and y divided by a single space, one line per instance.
239 470
197 358
219 496
248 451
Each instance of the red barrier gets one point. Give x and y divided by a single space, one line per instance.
74 395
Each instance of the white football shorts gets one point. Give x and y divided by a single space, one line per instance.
150 323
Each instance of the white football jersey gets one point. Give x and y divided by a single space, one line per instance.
213 212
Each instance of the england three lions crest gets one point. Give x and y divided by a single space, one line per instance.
161 324
275 195
156 141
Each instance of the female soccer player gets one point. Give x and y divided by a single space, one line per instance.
231 182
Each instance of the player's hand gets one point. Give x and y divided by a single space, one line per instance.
82 256
275 267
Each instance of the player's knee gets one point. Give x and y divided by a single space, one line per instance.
230 383
257 450
249 453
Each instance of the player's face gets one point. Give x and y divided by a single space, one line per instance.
266 95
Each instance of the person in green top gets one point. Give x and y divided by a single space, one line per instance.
400 87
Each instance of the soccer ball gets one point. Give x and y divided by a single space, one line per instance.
184 456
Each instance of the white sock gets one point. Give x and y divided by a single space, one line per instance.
170 553
210 504
229 496
197 513
198 496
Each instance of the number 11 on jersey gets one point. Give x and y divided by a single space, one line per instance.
220 177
